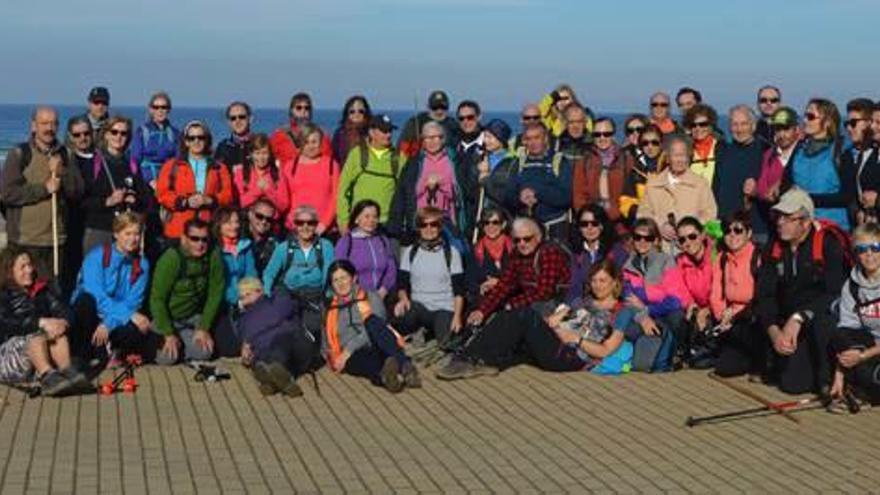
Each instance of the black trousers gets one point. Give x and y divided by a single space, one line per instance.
418 316
743 349
809 368
367 362
864 377
124 340
522 329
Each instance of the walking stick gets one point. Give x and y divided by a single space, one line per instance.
774 407
752 395
54 231
479 212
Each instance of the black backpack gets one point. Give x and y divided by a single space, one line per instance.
292 246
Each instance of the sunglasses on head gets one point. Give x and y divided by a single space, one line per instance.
645 238
160 107
703 124
466 118
693 236
118 132
197 238
603 134
661 104
311 223
736 230
523 240
433 224
77 135
873 247
768 100
588 223
650 142
634 130
263 218
196 137
241 116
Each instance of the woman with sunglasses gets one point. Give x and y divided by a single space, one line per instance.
259 177
193 185
855 349
600 177
493 249
234 150
660 114
701 121
632 128
742 346
595 241
369 249
239 263
697 253
553 107
155 141
653 285
312 179
816 166
352 130
677 191
112 184
861 156
648 161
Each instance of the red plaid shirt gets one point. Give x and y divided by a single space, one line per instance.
520 286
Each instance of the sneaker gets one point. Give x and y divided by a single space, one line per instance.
54 384
80 383
411 376
264 378
837 406
390 375
460 367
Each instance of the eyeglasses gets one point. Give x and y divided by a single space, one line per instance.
645 238
810 116
634 130
735 230
197 238
302 107
765 101
233 118
310 223
431 224
588 223
650 142
602 134
854 122
160 107
523 240
531 117
565 98
693 236
77 135
196 137
661 104
493 222
118 132
701 124
873 247
466 118
361 111
263 218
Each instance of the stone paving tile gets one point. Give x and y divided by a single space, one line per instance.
524 431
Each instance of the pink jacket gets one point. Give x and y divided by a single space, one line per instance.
274 191
698 277
661 287
314 184
739 282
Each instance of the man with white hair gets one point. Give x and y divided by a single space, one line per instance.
530 287
739 167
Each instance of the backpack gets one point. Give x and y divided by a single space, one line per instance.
146 132
822 227
556 163
364 162
24 149
292 246
447 254
136 269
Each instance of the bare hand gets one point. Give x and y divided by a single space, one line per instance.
101 336
667 232
527 197
171 348
247 354
850 358
115 198
476 318
455 326
382 292
749 187
649 326
483 167
54 327
703 318
338 364
196 201
203 340
53 184
141 322
869 199
401 307
56 164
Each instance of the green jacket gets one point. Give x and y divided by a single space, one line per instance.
376 183
178 294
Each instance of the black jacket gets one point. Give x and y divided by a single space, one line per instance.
20 311
98 188
232 152
736 163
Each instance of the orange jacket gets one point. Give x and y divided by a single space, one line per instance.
177 183
588 173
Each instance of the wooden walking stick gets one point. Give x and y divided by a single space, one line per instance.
53 176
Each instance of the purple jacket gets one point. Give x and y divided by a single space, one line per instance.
373 257
582 262
152 146
267 320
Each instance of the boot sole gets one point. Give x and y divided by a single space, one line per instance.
390 375
265 379
283 381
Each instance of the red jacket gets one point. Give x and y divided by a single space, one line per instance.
275 191
313 184
283 143
698 277
173 195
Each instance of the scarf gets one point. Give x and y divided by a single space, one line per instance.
608 156
703 148
495 248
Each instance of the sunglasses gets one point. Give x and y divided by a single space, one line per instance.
645 238
704 124
310 223
466 118
233 118
603 134
661 104
523 240
117 132
768 100
650 142
735 230
531 117
810 116
433 224
302 107
493 222
77 135
693 236
197 137
588 223
873 247
197 238
854 122
160 107
100 103
357 110
263 218
634 130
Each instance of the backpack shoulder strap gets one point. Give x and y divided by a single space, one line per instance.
350 239
319 253
24 149
145 134
413 249
106 255
172 175
557 163
447 254
854 292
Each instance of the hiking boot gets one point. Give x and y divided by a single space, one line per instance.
461 367
292 389
390 375
265 379
54 384
282 380
411 375
80 383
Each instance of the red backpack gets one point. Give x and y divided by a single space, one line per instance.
822 228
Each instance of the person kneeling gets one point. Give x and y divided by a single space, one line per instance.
33 327
274 343
357 339
187 291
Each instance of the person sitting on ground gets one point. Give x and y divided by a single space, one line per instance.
186 295
856 353
371 171
541 187
530 288
357 339
238 263
299 265
259 177
369 250
594 241
492 251
804 270
654 286
34 323
260 228
742 346
109 297
274 344
695 259
431 282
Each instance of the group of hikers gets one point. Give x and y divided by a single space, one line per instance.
559 246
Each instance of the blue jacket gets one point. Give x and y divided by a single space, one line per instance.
237 267
553 192
302 273
151 147
116 297
814 169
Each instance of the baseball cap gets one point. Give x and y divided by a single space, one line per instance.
99 93
438 99
382 122
783 117
795 200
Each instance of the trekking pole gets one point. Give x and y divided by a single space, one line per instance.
774 407
481 197
55 269
752 395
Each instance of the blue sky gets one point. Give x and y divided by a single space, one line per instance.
500 52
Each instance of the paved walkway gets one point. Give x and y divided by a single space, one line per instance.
523 431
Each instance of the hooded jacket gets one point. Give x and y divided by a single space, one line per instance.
286 142
177 182
151 146
118 293
239 263
372 256
864 313
657 282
